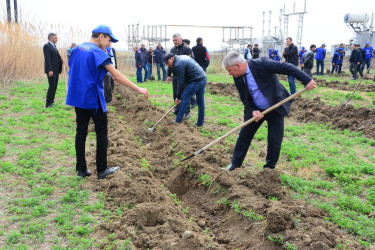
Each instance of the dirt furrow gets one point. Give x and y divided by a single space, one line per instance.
162 198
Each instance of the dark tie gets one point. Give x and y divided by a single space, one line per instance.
54 45
246 87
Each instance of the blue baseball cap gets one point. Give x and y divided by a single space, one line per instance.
105 30
341 49
323 44
367 42
303 48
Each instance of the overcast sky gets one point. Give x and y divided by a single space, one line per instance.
324 22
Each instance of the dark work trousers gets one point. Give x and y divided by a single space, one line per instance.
100 119
52 82
275 137
109 85
334 68
175 96
359 70
193 100
338 68
353 69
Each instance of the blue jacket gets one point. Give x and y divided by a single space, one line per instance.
276 56
246 54
368 52
336 57
159 55
186 70
144 54
270 53
138 58
320 54
264 72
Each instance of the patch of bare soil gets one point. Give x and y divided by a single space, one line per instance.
342 85
154 218
305 110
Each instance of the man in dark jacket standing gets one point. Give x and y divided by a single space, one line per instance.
201 55
52 67
178 49
159 54
248 53
138 63
291 56
308 60
256 52
191 80
108 82
355 61
259 89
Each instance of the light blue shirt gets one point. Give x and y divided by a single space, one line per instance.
53 45
259 99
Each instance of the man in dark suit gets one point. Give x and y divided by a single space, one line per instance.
259 89
52 67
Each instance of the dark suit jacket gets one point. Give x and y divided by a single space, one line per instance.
52 59
264 72
114 55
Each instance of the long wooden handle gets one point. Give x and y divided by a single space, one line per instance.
165 114
251 120
368 70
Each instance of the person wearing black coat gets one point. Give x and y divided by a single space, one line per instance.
259 88
355 61
52 67
291 56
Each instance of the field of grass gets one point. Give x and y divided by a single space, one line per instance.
44 205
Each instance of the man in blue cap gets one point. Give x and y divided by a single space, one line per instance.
301 53
368 55
336 59
89 63
319 57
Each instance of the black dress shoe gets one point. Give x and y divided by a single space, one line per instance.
84 173
269 167
230 167
108 171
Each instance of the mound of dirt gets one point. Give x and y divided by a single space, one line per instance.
155 199
305 110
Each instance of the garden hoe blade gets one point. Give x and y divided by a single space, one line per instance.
153 127
244 124
346 102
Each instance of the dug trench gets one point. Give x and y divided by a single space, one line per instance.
165 204
306 110
341 85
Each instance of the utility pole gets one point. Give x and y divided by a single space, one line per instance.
15 11
9 13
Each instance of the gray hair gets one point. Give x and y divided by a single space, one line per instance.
232 58
177 35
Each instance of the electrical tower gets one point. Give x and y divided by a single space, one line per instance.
151 35
300 23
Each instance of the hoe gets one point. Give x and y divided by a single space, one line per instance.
153 127
245 124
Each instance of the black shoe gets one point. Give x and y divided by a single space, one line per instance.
269 167
187 115
108 171
50 106
230 167
83 173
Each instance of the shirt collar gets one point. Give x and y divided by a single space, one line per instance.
52 43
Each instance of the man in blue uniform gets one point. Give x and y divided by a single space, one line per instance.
319 57
89 63
368 55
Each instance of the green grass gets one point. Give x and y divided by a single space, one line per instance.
44 201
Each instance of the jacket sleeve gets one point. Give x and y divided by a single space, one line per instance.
246 52
324 54
47 59
287 69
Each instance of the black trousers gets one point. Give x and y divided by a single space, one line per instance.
175 96
100 119
275 137
109 85
353 68
52 82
